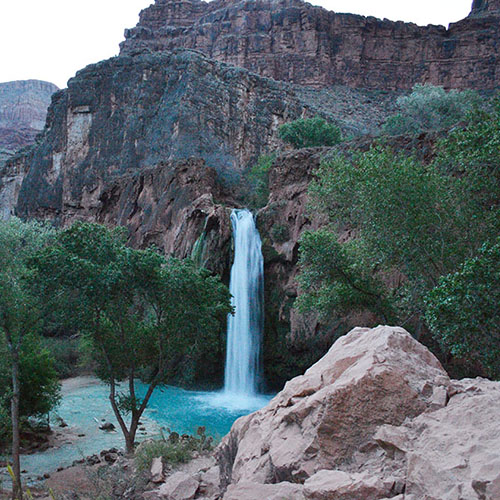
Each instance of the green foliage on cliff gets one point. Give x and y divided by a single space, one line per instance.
258 182
430 108
334 280
141 314
416 232
310 133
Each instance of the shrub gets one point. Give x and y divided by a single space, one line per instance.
173 450
430 108
310 132
258 181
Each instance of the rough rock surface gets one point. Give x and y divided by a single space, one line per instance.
375 418
483 8
294 41
179 486
157 470
321 419
132 113
11 178
23 108
173 205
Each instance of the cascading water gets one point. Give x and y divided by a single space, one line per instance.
244 332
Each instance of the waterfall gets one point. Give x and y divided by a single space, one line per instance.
244 332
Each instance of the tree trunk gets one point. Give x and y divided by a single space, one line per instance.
132 432
129 434
17 493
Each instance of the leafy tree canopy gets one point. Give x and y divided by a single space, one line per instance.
141 314
463 310
310 132
28 381
412 227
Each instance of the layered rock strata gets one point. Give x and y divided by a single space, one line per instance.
292 40
23 108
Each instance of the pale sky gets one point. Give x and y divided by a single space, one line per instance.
52 39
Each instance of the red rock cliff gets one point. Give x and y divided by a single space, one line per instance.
294 41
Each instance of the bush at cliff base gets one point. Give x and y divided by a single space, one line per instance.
463 310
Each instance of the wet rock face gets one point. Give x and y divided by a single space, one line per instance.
294 41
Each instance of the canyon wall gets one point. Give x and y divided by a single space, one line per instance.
158 138
293 41
23 107
127 114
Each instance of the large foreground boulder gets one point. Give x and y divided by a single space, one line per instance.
321 419
376 418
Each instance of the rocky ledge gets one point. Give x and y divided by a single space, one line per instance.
294 41
376 418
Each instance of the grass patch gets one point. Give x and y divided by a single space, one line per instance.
173 449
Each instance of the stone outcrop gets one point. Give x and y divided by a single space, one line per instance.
321 420
11 179
173 206
376 418
128 114
484 8
23 108
132 113
294 41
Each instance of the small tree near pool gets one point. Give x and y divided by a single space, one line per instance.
141 315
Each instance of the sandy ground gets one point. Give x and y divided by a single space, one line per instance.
71 384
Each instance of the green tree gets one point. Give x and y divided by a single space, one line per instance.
408 216
20 321
412 224
141 315
332 279
310 132
463 311
39 386
472 153
430 108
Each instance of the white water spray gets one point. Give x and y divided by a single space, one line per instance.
244 332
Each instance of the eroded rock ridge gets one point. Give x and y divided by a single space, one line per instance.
293 41
23 108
